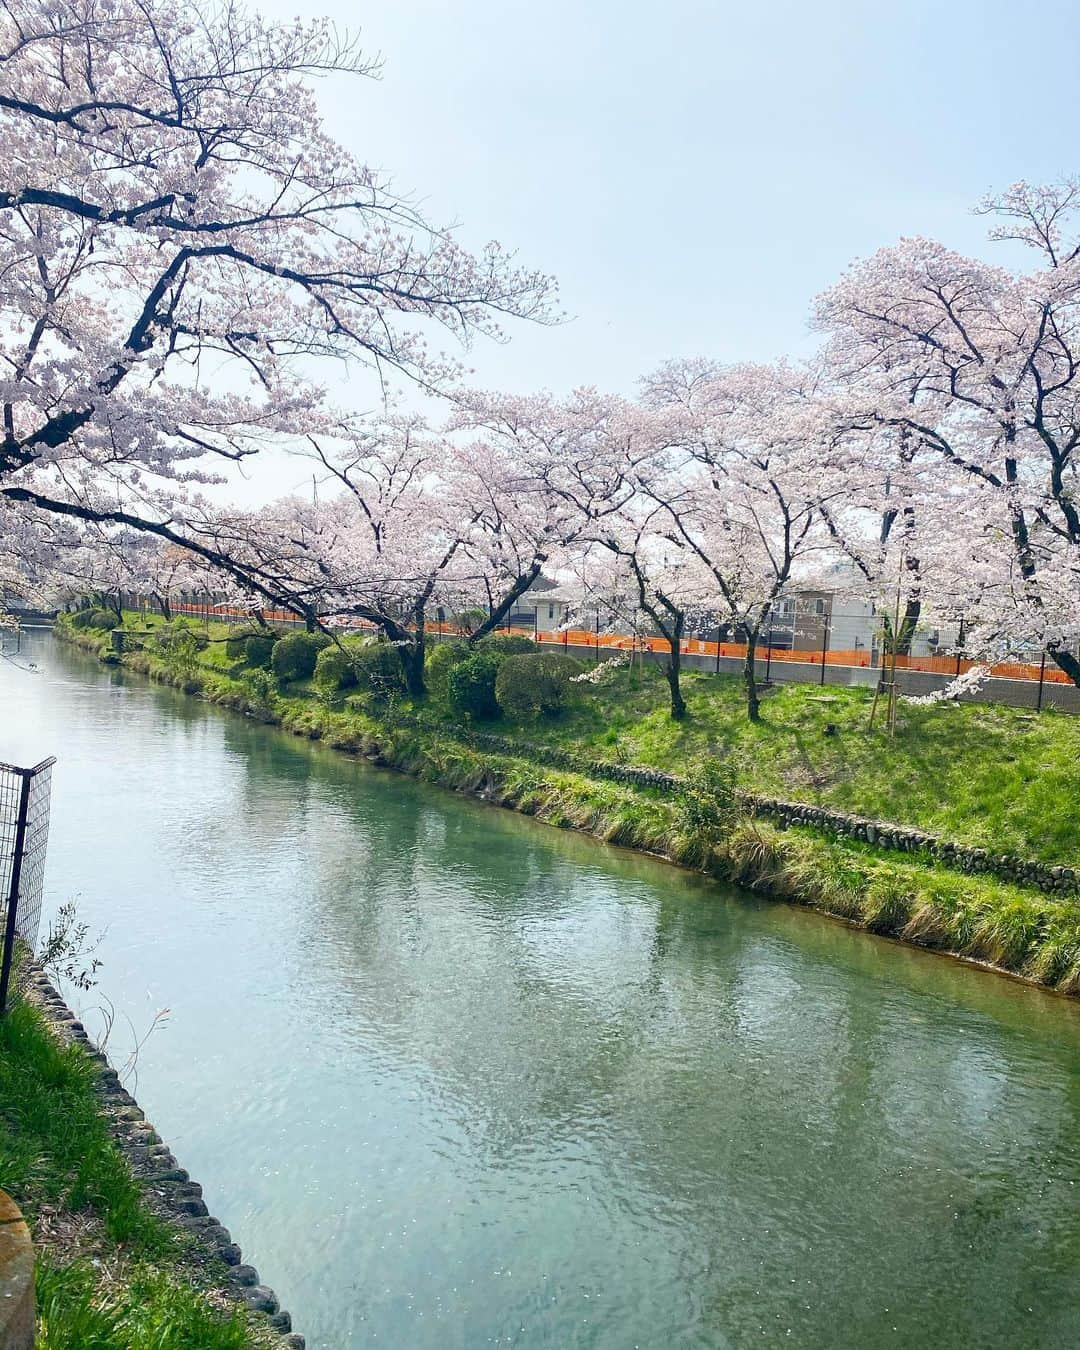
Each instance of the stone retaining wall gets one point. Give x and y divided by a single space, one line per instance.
1054 880
168 1183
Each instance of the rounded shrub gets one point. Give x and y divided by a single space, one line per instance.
506 644
236 643
94 618
470 685
259 650
535 682
334 668
295 655
377 667
440 661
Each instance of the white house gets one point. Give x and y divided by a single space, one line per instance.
543 607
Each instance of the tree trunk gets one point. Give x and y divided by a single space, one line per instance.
673 669
908 624
753 703
671 673
166 608
496 613
1066 661
411 655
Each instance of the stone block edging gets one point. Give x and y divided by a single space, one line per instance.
157 1169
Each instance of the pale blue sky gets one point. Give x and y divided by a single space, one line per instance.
695 173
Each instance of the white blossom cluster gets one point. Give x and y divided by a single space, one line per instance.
599 673
968 683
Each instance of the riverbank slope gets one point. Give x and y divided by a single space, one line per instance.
919 899
123 1259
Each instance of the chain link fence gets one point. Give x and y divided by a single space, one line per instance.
25 796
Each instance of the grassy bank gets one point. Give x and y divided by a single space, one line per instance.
111 1273
1019 930
985 775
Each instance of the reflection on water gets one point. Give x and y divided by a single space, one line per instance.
455 1079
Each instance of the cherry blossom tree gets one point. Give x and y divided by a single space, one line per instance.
663 580
182 244
583 458
102 565
980 366
873 503
535 475
384 544
741 488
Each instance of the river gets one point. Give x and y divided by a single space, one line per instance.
456 1079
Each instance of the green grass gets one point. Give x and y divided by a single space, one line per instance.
980 774
985 775
144 1310
131 1285
55 1147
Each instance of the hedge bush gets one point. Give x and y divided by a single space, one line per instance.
236 648
259 650
535 683
378 668
438 665
295 655
470 685
506 644
335 668
93 618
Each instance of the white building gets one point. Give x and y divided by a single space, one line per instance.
543 607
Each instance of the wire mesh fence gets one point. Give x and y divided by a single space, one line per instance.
25 796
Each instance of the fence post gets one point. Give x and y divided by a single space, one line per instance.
959 646
824 646
1042 677
768 659
719 630
13 891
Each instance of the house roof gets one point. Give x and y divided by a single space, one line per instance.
546 597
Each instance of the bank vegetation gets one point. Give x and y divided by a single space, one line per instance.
973 770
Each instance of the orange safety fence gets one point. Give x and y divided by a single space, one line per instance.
734 651
1003 670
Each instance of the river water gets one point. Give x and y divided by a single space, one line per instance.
456 1079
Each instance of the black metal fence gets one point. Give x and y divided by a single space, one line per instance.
24 836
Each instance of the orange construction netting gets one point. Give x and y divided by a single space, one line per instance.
736 651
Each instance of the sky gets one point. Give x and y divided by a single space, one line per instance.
693 173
